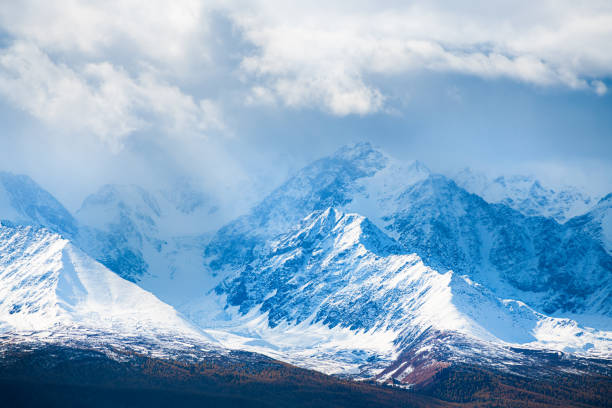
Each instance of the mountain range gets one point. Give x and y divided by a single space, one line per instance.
360 265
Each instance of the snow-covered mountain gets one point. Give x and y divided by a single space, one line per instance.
337 294
341 270
552 267
355 176
555 268
156 238
386 254
526 194
53 290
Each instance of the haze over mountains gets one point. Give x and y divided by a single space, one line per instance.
526 194
359 264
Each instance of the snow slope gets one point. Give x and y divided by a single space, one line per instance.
47 284
341 270
386 253
156 238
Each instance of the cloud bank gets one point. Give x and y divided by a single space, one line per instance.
117 64
322 56
99 99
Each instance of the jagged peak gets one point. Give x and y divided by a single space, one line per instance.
527 194
347 228
324 221
362 155
438 182
365 151
323 216
355 150
24 201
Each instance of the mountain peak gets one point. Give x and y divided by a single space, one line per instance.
23 201
355 150
419 167
345 228
54 284
362 155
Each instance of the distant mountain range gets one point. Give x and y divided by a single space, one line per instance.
359 265
526 194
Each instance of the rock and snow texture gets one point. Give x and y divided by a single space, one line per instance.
597 222
362 243
47 284
526 194
554 268
335 181
340 271
155 238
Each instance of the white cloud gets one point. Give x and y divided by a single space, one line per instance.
341 94
260 96
600 87
313 54
98 98
109 68
318 54
166 32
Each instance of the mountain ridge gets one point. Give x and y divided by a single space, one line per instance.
526 194
507 232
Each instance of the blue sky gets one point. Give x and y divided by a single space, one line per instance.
244 93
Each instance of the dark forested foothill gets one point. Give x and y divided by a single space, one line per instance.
58 376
